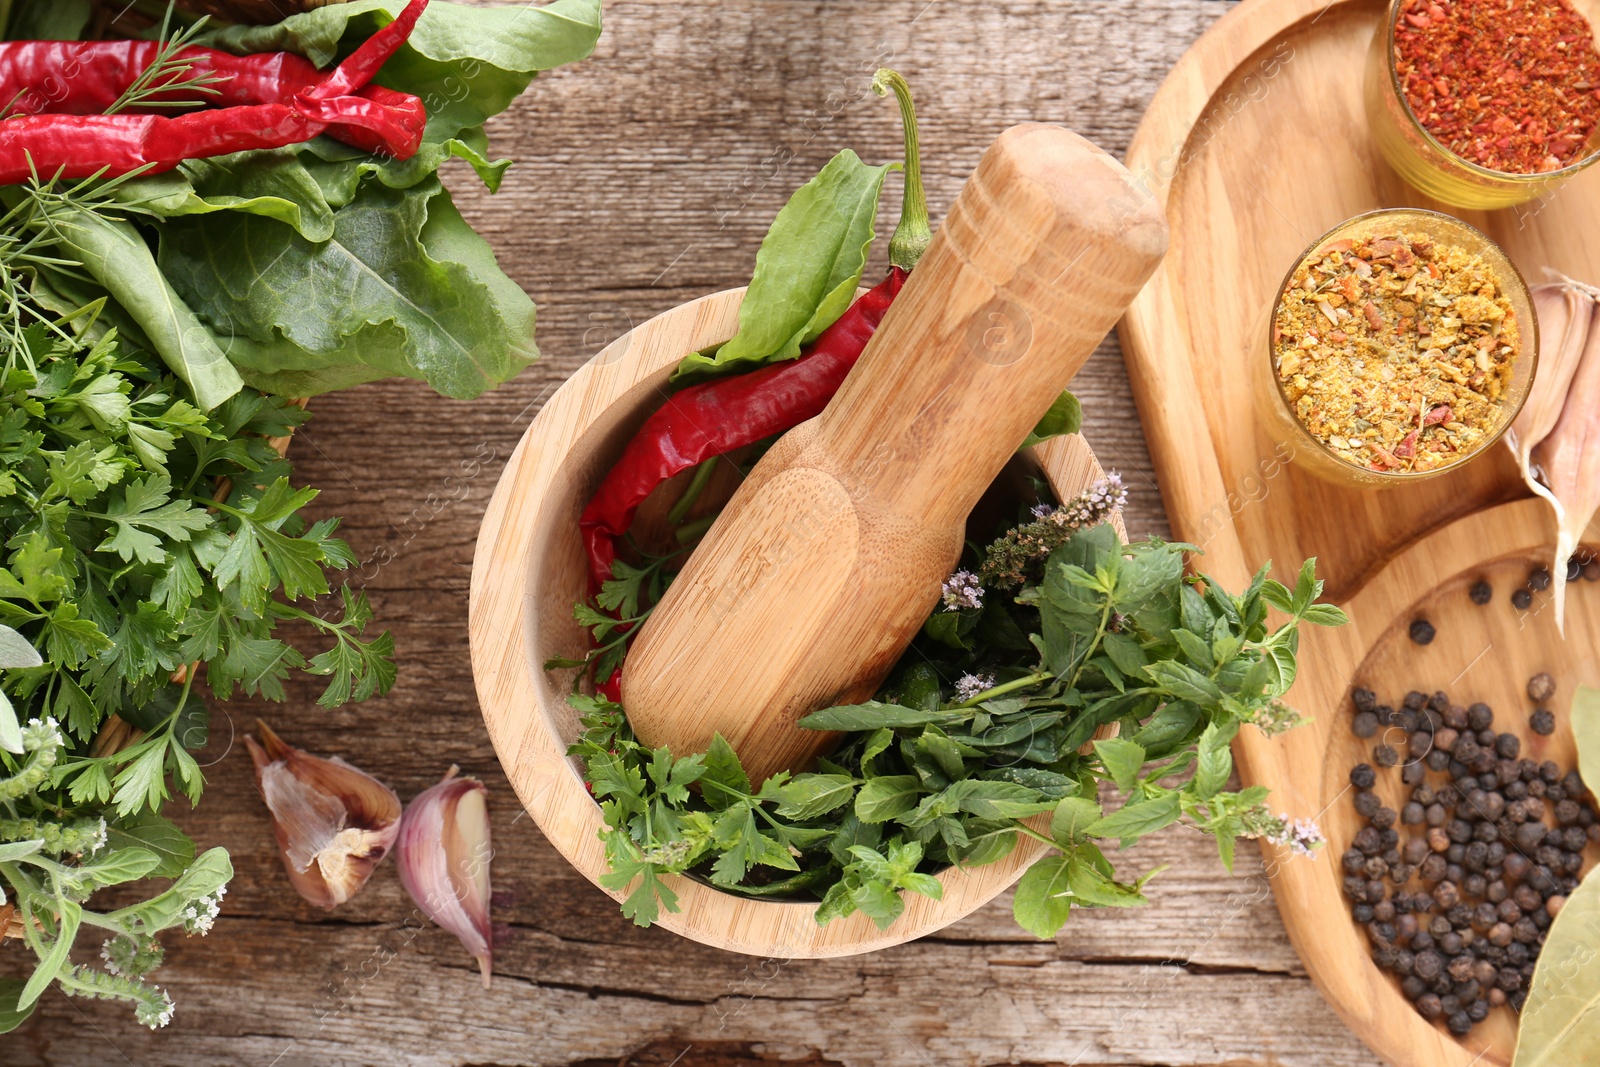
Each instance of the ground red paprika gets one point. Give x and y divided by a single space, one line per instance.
1511 85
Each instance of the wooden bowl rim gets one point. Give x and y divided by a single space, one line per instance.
510 681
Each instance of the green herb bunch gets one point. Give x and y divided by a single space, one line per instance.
987 732
141 536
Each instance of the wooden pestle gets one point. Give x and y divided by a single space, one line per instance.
831 555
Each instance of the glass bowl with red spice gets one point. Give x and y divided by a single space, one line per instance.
1400 346
1485 103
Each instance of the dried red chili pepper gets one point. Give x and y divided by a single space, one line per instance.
87 77
285 109
716 417
711 418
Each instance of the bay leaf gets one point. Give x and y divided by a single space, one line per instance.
1585 719
1561 1021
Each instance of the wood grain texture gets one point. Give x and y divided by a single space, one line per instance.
829 558
1257 143
645 178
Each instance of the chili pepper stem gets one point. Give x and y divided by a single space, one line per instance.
692 530
697 485
914 233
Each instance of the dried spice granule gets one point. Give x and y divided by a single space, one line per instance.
1511 85
1395 350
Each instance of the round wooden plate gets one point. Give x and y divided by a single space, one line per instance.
1257 143
528 572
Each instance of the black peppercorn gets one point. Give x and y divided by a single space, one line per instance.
1422 631
1524 931
1383 818
1411 814
1455 716
1521 600
1415 700
1460 1024
1364 699
1427 964
1478 1010
1362 776
1437 760
1367 802
1445 894
1480 716
1481 592
1432 868
1384 755
1365 724
1574 569
1412 773
1542 722
1574 838
1549 772
1507 746
1539 579
1428 1005
1474 885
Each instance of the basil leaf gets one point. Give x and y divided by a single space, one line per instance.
807 270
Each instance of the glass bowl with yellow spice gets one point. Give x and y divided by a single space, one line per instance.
1401 345
1485 103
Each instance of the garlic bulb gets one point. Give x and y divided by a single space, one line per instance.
334 823
443 855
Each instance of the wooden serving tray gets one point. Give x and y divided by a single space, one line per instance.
1257 143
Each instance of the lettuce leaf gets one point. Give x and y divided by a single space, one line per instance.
467 63
403 286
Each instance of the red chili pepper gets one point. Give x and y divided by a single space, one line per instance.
718 416
279 100
86 77
711 418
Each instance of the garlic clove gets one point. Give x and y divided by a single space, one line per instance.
1569 461
443 856
334 823
1565 312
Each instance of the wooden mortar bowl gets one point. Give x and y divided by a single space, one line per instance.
527 573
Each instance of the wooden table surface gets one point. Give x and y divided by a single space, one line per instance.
645 177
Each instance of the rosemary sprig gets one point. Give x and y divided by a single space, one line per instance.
169 73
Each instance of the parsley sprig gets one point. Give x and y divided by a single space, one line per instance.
934 774
147 547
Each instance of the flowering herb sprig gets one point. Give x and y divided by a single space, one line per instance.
987 733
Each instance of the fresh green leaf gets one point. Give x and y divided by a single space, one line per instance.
1043 899
807 271
420 295
1138 819
1065 416
1122 760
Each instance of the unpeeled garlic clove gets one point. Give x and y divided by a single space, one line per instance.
1568 459
334 823
1565 311
443 855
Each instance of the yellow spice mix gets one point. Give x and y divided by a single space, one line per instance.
1396 350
